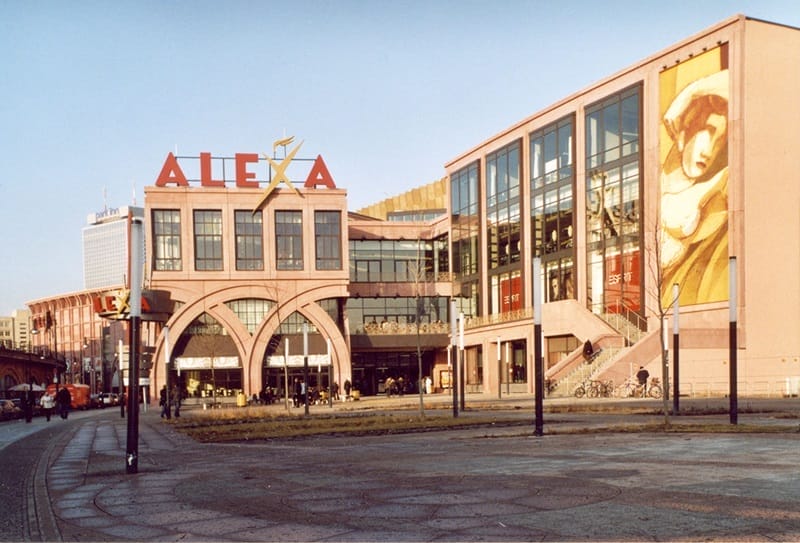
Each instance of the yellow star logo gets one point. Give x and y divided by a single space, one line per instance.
280 170
121 302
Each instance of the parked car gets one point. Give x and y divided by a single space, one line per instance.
9 410
95 401
109 399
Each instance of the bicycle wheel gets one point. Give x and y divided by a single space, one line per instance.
579 391
655 391
594 390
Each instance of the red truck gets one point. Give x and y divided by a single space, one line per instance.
79 393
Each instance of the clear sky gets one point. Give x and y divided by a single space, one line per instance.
93 95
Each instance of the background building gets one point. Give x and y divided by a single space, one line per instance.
106 247
663 174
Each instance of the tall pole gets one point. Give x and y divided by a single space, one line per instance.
330 372
454 354
508 368
305 365
286 372
734 400
420 377
166 370
538 361
132 449
462 363
675 350
499 370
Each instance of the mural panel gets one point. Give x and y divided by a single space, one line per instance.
694 178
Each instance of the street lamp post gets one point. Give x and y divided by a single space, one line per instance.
89 344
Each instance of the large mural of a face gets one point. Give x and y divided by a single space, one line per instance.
694 178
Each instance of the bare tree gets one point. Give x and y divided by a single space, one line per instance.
417 272
662 301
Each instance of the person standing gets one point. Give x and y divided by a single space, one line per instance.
64 399
27 405
47 402
297 391
347 388
176 400
163 402
642 375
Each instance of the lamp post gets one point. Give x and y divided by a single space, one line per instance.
499 370
732 342
538 360
89 344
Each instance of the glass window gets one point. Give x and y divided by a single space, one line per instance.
289 240
552 211
208 240
328 239
167 239
249 240
613 196
464 190
251 311
502 188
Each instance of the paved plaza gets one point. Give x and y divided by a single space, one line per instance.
479 484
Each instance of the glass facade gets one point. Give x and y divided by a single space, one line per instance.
552 206
167 240
503 240
249 240
397 261
289 240
613 202
398 315
465 230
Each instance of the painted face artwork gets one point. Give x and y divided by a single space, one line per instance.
704 145
694 188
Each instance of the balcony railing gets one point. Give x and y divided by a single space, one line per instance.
402 328
499 318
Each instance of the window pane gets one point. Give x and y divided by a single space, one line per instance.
328 240
208 240
249 240
289 240
167 240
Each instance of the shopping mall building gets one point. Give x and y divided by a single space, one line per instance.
655 180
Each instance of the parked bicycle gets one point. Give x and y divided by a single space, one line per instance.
632 389
594 389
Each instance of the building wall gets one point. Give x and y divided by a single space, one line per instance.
770 237
762 112
198 292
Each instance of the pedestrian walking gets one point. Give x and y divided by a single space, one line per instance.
47 402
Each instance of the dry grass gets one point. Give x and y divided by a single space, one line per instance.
260 424
252 424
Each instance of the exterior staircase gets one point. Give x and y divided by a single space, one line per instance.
612 362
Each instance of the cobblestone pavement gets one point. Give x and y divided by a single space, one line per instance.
480 484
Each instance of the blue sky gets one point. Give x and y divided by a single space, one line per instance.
93 95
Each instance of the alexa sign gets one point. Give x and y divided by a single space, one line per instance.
172 174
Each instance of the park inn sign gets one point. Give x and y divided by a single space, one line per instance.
172 173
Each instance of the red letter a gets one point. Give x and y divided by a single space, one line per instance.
319 175
171 173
